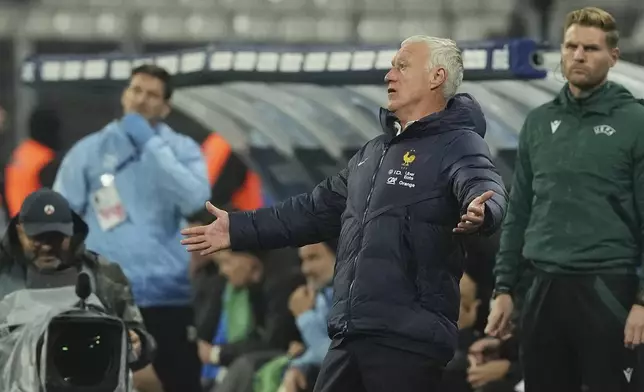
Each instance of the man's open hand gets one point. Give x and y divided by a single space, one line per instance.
210 238
475 216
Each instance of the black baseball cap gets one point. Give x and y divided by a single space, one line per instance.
46 211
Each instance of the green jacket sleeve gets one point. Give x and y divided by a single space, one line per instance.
638 186
508 263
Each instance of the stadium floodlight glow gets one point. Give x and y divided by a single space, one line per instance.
319 64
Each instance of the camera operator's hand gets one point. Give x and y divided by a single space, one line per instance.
136 343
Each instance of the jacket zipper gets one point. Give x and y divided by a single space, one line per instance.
364 218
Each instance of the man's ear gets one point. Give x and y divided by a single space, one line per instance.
437 78
614 54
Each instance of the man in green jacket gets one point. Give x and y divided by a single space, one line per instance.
576 213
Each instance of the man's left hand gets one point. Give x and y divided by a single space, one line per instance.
136 342
634 330
475 216
479 375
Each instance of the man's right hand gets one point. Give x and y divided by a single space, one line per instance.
210 238
498 322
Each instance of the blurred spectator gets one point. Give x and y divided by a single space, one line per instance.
35 161
482 364
43 248
494 364
231 179
479 264
135 182
310 305
455 375
254 318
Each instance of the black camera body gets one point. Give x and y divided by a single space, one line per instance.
84 351
64 341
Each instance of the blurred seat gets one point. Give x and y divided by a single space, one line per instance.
479 27
378 6
284 5
378 29
465 7
335 29
206 26
156 26
243 5
434 7
255 27
432 26
504 6
298 29
334 5
106 3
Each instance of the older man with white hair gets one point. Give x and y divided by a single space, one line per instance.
401 209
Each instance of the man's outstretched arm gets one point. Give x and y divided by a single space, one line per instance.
300 220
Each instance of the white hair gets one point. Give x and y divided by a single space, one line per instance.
444 53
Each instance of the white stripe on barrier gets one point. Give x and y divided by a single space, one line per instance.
248 61
141 61
291 62
339 61
315 62
72 70
383 61
95 69
268 62
28 72
363 60
120 70
169 62
475 59
193 62
501 59
50 70
221 61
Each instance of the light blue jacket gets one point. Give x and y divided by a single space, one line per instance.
312 325
161 178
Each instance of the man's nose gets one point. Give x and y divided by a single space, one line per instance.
579 54
389 76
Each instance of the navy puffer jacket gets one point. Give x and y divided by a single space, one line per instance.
394 207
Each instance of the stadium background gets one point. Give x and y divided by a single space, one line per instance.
318 120
292 134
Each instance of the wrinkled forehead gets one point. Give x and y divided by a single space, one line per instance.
412 52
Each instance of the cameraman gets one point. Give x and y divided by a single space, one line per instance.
43 247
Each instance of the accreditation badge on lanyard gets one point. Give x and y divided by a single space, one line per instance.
107 204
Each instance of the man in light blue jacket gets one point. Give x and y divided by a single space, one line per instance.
135 183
